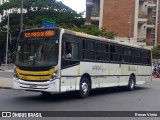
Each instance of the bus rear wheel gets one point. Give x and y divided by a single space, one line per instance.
84 88
131 83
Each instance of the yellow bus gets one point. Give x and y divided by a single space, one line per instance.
55 60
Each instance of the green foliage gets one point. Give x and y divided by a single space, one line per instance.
156 52
36 10
38 5
2 42
93 30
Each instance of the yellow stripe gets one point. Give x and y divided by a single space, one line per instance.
35 75
34 72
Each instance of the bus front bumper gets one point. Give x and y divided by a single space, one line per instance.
48 86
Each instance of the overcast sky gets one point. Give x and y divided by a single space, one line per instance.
77 5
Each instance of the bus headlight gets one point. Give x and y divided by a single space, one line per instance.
15 75
54 76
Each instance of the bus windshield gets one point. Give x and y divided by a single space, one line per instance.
38 52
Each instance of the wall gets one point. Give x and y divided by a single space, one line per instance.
158 26
116 16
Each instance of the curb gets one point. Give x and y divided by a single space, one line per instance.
5 87
2 69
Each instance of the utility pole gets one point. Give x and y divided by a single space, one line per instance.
6 65
21 19
130 26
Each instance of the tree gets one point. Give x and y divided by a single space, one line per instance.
156 52
36 10
2 44
94 30
64 16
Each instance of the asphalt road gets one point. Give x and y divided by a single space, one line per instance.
145 98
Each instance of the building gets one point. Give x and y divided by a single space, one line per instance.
135 21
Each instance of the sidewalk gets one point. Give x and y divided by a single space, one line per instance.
10 68
6 82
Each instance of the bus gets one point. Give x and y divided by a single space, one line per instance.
55 60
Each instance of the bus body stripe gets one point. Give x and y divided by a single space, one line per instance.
35 75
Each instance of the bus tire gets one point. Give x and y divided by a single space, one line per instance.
84 88
131 83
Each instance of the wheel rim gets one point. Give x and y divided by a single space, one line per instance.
84 87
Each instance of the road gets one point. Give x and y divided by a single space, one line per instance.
146 97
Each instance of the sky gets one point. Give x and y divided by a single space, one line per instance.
77 5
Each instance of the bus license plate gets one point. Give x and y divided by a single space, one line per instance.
33 86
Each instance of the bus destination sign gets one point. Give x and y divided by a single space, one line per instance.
35 34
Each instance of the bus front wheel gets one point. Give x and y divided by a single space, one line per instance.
84 88
131 83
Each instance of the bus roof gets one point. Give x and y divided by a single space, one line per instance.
80 34
103 39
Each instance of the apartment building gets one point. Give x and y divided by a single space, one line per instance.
135 21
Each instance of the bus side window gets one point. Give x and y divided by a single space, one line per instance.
68 50
74 51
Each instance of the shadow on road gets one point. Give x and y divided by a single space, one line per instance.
71 96
113 90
